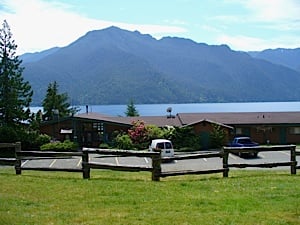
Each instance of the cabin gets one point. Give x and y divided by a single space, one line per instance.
88 129
262 127
92 129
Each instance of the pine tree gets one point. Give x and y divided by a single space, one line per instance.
131 110
55 104
15 93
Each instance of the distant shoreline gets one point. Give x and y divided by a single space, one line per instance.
161 109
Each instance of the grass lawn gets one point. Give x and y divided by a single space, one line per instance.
110 197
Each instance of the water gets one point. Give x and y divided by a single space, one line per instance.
161 109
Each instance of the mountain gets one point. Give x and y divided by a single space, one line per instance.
113 66
285 57
34 57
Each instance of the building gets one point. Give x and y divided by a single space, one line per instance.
263 127
91 129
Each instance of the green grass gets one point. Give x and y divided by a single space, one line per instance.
109 197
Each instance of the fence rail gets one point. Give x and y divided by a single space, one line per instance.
155 168
235 150
10 161
37 155
297 153
193 172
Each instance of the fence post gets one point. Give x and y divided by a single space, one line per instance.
293 160
85 166
225 162
156 167
18 159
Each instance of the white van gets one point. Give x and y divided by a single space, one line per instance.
164 145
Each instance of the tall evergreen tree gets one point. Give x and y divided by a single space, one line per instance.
55 104
15 93
131 110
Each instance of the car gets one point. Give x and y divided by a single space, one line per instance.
244 142
164 145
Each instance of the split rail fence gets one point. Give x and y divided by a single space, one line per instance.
156 160
292 163
155 168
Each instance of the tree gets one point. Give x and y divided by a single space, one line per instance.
131 110
55 104
217 136
184 138
15 93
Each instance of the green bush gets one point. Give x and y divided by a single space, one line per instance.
32 140
185 138
60 146
104 146
123 141
43 139
8 134
217 136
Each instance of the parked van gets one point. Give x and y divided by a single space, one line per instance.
164 145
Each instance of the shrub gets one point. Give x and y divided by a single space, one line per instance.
104 146
185 138
8 134
43 139
217 136
60 146
33 140
123 141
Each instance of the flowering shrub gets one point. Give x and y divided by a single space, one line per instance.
138 133
139 136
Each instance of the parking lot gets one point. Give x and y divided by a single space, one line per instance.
190 164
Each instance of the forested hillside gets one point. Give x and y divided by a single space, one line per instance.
112 66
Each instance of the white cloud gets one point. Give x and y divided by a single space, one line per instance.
39 25
271 10
246 43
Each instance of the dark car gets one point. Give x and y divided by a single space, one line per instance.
244 142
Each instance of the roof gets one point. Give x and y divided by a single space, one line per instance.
227 119
209 121
102 117
159 121
236 118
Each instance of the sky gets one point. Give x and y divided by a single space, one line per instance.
243 25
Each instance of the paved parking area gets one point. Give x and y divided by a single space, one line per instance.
191 164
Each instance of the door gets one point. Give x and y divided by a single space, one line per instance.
282 135
205 139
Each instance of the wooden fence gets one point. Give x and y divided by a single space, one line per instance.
37 155
10 161
155 167
235 150
195 156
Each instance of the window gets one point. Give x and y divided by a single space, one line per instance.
98 126
238 131
294 130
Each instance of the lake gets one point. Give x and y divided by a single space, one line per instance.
161 109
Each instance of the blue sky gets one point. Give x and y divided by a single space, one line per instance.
245 25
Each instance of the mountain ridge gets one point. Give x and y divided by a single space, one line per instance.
112 66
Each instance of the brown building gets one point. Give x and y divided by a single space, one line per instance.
91 129
88 130
262 127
